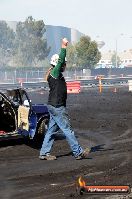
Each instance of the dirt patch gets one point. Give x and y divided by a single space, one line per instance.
102 122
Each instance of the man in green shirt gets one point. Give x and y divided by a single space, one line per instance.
57 109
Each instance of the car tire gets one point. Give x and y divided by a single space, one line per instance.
39 137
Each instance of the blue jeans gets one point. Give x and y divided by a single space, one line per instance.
59 120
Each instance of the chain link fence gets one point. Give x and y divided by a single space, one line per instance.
38 75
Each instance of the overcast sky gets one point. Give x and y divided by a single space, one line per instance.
100 19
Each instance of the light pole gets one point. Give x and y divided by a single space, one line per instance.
116 53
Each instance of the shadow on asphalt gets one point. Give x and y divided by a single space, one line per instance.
11 142
20 141
99 148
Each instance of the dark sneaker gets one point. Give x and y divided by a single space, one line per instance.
84 154
47 157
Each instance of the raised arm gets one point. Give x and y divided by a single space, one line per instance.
57 69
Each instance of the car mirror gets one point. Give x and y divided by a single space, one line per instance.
26 103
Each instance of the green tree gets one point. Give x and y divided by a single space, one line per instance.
31 45
88 54
71 56
7 37
113 60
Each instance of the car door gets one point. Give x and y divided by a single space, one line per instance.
8 116
26 105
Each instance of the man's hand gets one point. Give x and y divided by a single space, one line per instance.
64 43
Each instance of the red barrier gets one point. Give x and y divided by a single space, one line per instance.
73 87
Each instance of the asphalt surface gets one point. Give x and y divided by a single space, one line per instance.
101 121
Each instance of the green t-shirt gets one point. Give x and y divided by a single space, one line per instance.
57 69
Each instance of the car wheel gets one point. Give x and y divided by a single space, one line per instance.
39 137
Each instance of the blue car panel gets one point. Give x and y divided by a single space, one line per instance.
18 116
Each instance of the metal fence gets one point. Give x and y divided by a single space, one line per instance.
37 75
21 76
17 76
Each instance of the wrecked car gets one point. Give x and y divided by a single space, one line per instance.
19 117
